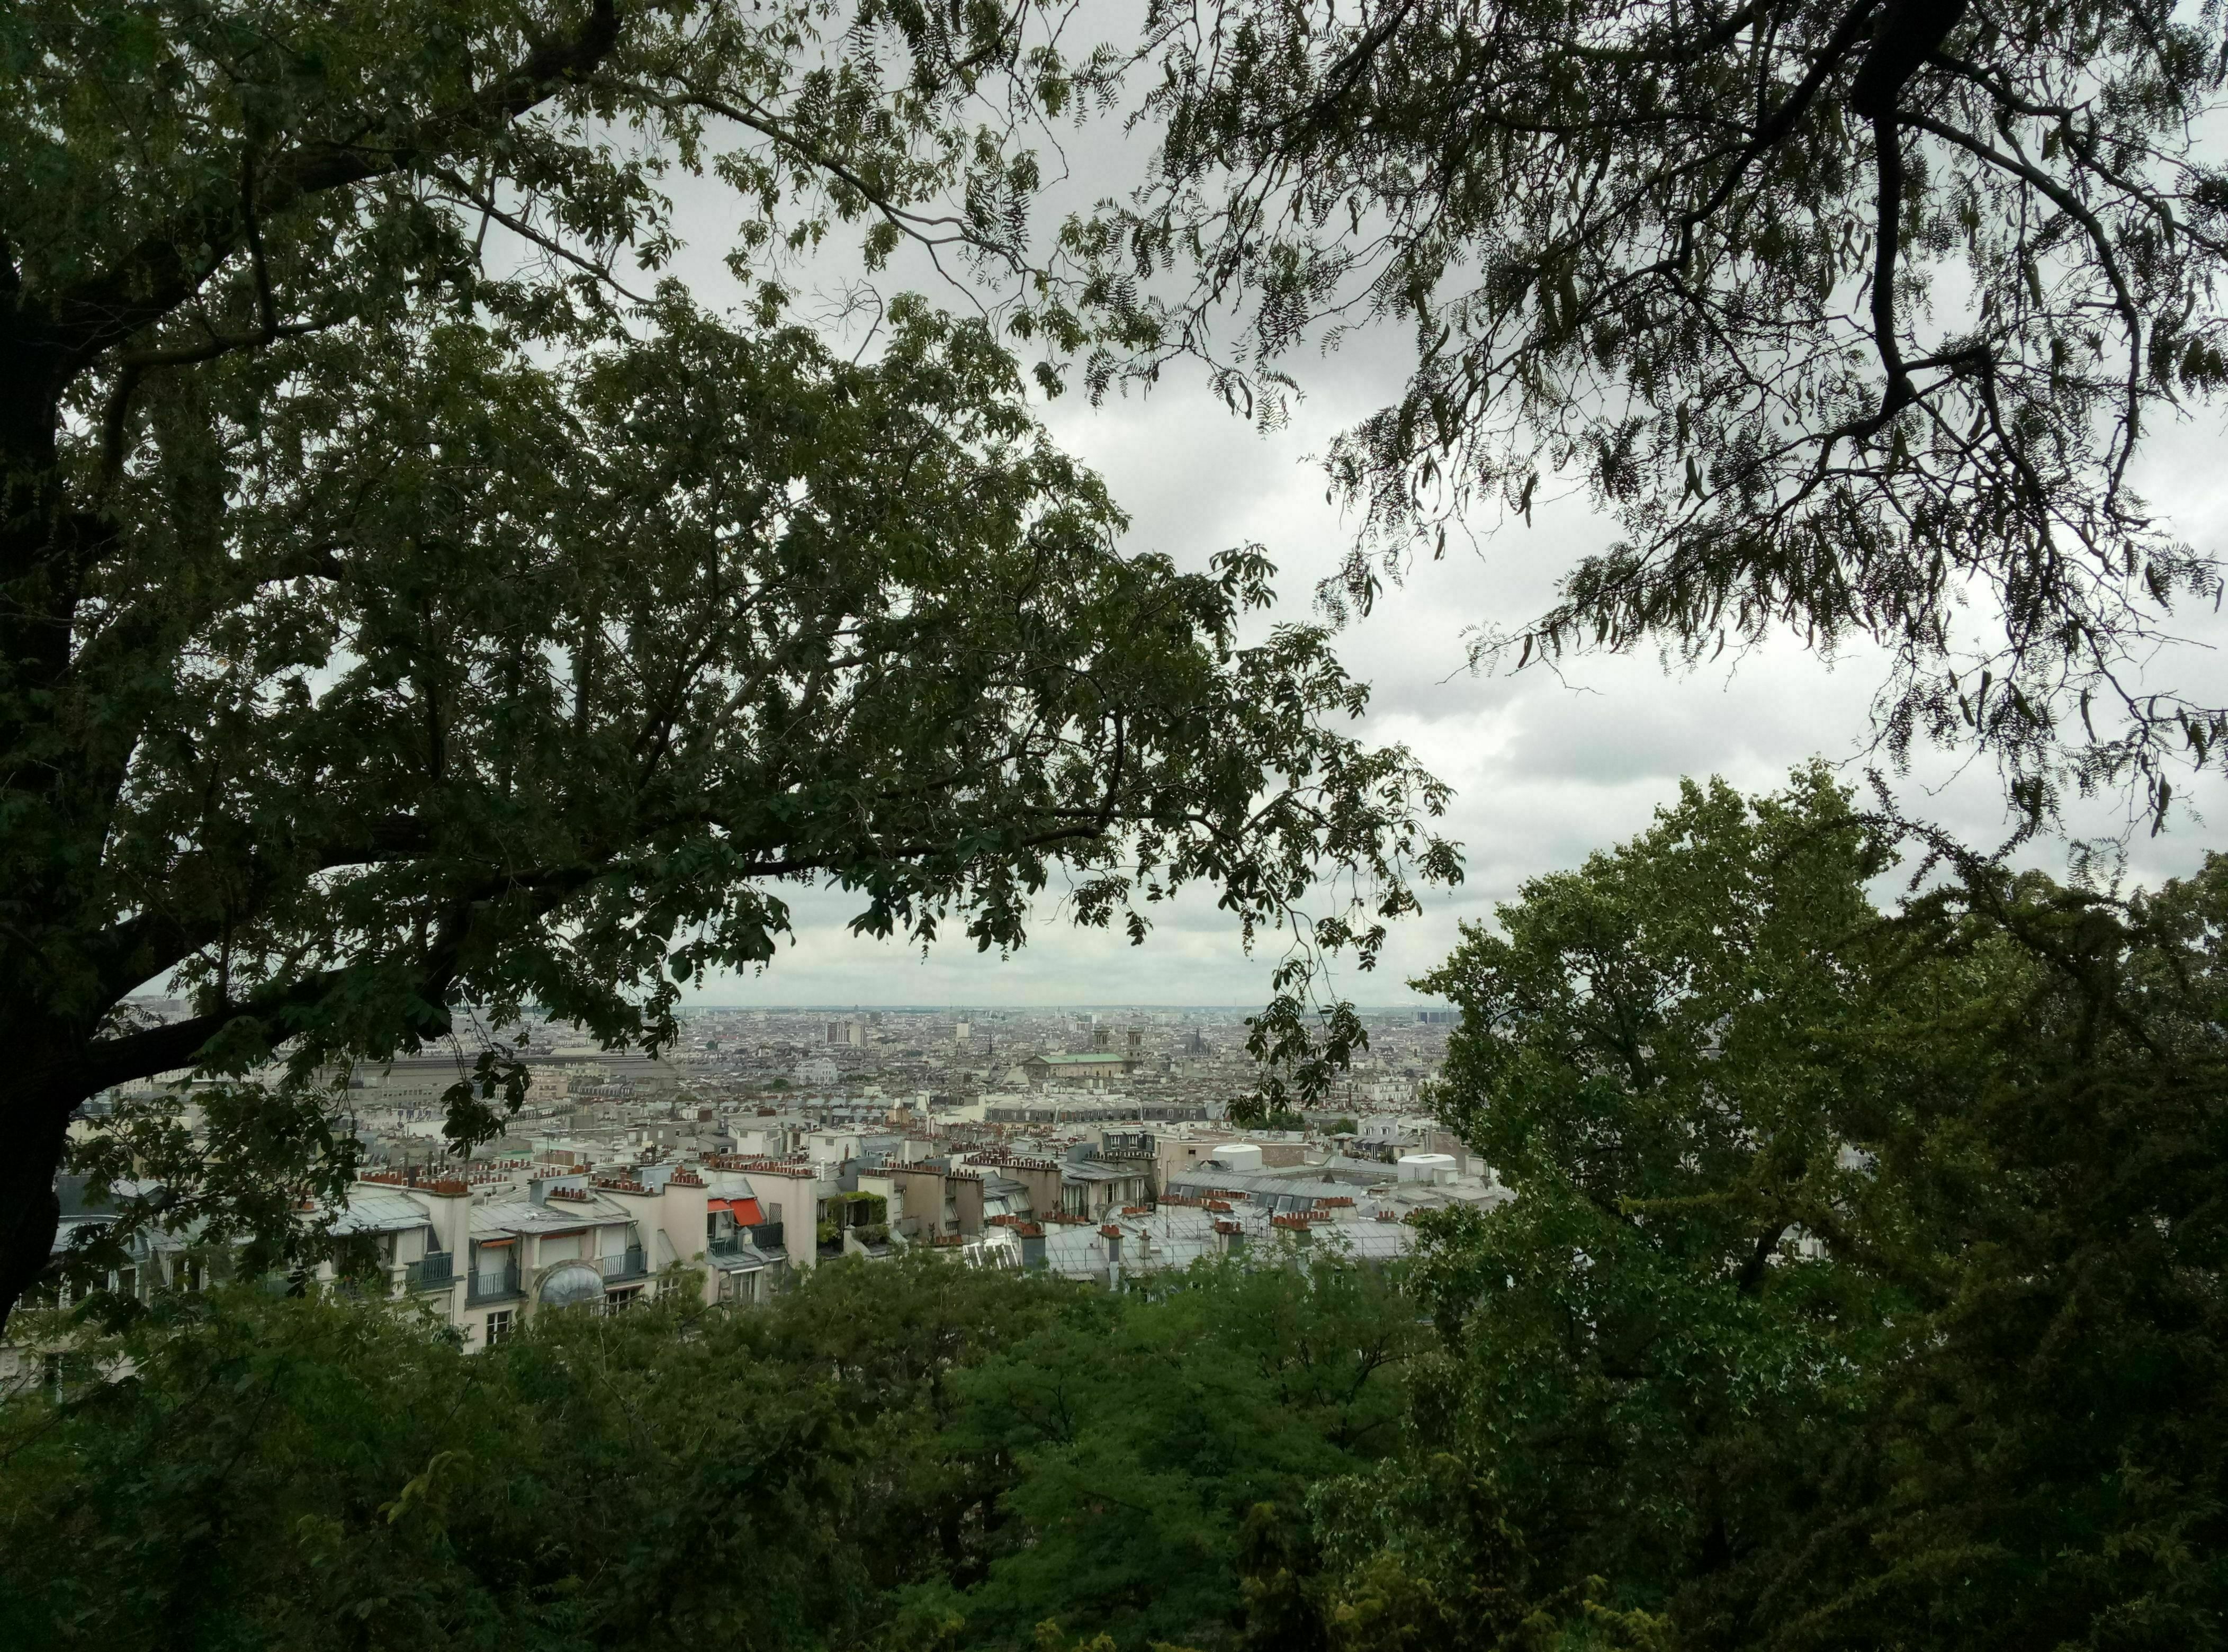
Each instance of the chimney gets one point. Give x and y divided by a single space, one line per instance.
538 1188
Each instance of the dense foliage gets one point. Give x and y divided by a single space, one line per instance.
410 598
912 1453
1863 1288
1864 1285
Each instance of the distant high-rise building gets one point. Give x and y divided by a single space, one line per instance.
1438 1017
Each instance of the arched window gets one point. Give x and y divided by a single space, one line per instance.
570 1284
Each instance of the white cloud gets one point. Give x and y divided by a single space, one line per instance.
1546 768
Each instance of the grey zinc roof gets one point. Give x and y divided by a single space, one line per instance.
1366 1173
524 1216
77 1212
371 1210
1267 1187
1091 1170
1173 1237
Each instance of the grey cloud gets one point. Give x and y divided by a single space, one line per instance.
1545 773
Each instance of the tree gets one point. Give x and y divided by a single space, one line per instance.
397 613
1146 1439
1844 310
309 1472
870 1460
1862 1285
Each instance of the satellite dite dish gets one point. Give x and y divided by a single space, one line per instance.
570 1284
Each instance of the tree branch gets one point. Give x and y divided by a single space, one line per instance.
1751 1278
1778 124
155 277
159 1049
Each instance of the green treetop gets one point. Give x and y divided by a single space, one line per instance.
1861 1286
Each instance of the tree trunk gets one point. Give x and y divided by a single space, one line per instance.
35 1127
47 1041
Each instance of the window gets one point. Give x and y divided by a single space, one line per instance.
617 1302
498 1327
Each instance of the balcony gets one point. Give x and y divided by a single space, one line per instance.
766 1236
627 1264
438 1271
493 1284
731 1245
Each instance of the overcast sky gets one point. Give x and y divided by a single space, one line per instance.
1545 770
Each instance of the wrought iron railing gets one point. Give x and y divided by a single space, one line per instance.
493 1284
626 1265
438 1271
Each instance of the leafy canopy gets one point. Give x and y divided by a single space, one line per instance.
1150 1437
519 688
1847 312
906 1454
410 600
1862 1284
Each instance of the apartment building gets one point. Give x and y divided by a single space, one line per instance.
488 1250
